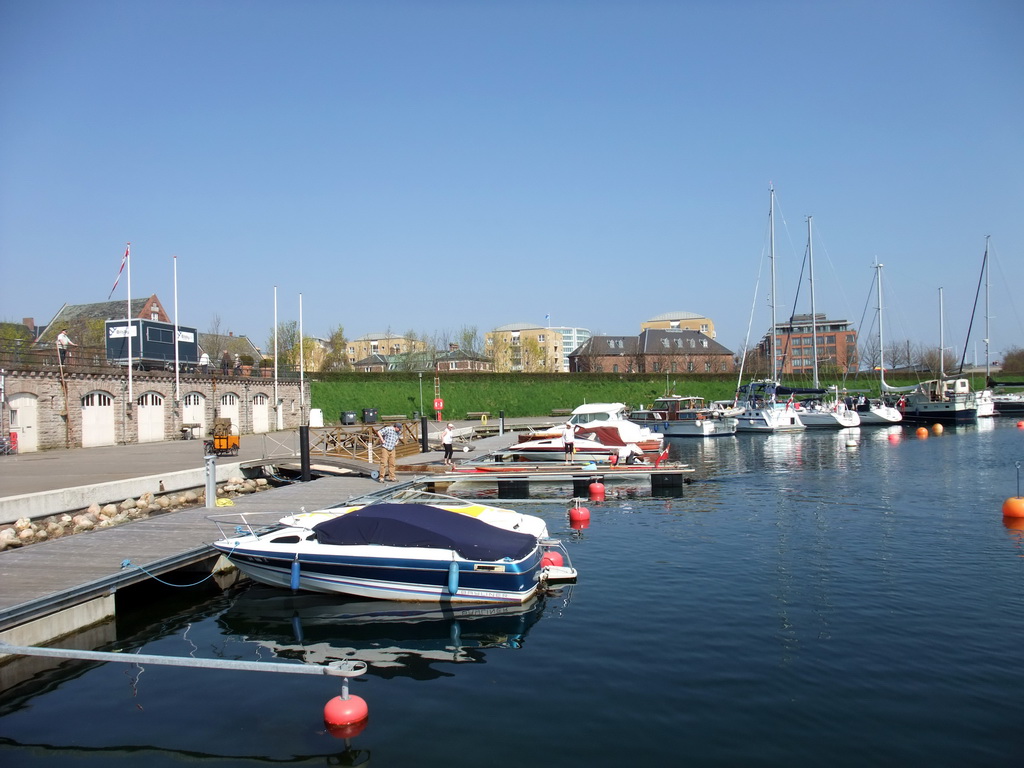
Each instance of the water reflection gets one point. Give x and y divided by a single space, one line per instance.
393 638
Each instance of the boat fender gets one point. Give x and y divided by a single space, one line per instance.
453 578
296 572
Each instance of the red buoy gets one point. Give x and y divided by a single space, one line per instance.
339 711
579 513
1020 425
552 557
1014 507
894 438
596 490
579 525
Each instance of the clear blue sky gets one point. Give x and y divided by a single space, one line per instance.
437 164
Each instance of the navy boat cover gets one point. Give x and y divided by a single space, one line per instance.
421 525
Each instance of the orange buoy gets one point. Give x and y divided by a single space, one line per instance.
1014 507
348 711
596 490
579 513
937 429
922 432
552 557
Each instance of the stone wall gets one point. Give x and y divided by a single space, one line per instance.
58 421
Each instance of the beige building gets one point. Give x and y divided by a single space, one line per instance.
386 344
524 347
680 321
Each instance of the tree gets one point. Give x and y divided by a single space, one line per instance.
1013 360
336 357
287 344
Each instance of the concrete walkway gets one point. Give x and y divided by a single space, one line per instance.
49 470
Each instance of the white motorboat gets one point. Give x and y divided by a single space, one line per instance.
684 416
385 551
608 424
832 414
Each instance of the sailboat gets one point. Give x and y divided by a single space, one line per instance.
939 400
879 412
984 397
820 413
762 411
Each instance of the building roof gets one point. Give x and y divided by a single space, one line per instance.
518 327
71 315
676 315
670 341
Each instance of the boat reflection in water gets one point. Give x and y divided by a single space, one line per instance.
393 638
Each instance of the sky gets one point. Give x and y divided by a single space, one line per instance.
436 165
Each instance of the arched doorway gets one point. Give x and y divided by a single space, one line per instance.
23 420
97 419
150 417
260 413
194 412
229 410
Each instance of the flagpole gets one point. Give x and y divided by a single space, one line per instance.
302 369
277 401
177 364
131 388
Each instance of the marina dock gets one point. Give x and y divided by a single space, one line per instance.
56 587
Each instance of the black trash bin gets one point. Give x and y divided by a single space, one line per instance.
348 417
369 415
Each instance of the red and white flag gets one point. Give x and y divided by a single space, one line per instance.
124 260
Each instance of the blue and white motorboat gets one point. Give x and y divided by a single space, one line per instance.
413 552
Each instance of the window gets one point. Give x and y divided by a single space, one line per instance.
260 399
150 398
193 398
704 343
154 315
229 399
13 416
540 338
707 367
656 367
96 398
704 328
615 368
690 366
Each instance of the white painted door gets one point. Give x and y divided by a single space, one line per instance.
229 410
23 421
150 417
260 413
97 419
194 412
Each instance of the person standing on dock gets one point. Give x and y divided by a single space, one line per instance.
447 436
389 438
63 342
569 439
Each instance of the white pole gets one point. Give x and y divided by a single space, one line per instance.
302 368
177 363
277 401
131 389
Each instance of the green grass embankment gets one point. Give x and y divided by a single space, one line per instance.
515 394
518 395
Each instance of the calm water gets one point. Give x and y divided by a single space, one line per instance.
801 603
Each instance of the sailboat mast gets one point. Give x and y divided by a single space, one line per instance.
771 236
881 342
814 325
942 340
988 364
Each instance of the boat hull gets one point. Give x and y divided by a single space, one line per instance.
769 420
417 577
695 427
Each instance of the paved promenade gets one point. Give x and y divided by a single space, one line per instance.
53 470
